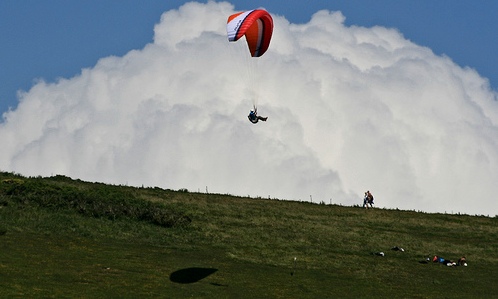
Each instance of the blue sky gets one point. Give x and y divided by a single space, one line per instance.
57 38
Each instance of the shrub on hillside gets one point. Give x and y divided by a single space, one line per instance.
95 200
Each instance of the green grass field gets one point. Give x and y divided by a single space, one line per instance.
67 238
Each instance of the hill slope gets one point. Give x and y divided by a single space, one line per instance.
67 238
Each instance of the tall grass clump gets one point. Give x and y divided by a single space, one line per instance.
94 200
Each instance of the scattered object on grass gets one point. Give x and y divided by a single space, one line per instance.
294 267
462 261
425 261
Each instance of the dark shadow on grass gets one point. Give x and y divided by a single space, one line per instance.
191 275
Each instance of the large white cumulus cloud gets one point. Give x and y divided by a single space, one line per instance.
350 109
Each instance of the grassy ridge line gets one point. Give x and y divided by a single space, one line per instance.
95 200
251 243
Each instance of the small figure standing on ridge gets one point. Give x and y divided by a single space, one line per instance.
368 200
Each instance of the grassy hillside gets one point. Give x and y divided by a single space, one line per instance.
67 238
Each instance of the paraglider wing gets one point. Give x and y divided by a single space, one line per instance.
256 25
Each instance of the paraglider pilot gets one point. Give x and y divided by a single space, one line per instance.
254 117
